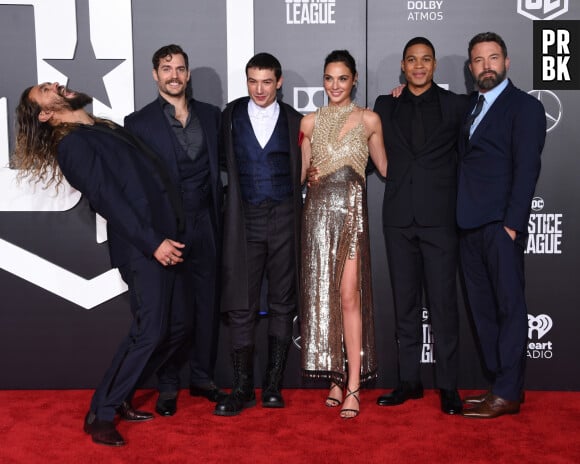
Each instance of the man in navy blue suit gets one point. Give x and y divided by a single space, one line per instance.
127 184
498 169
184 132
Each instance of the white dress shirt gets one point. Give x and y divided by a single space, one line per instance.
263 120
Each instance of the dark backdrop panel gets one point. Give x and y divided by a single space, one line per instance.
49 342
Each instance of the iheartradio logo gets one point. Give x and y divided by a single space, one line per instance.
540 324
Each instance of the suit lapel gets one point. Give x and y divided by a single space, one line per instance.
396 124
293 129
210 134
166 139
492 113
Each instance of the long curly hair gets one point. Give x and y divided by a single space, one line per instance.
36 144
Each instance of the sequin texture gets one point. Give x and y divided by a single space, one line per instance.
334 229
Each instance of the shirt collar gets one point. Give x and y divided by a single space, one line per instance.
426 96
255 111
168 106
491 95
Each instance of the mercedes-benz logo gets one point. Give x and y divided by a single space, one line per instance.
552 105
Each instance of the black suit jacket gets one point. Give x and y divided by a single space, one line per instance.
500 164
122 185
234 269
151 125
421 187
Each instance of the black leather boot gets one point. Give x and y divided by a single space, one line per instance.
243 394
277 355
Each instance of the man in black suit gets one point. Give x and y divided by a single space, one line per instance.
420 133
184 132
261 229
498 169
126 183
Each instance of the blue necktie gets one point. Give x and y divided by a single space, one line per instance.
475 113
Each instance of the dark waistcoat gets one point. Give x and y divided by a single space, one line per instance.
193 175
264 172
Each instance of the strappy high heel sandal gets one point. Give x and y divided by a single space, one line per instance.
348 413
331 401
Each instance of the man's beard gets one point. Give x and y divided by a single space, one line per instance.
80 100
76 102
489 82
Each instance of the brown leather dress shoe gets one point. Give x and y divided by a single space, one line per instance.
129 414
102 432
478 399
492 407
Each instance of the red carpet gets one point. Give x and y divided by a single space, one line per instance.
46 427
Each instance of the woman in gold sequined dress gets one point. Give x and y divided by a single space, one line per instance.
337 309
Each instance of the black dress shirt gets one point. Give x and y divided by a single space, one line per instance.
190 137
430 112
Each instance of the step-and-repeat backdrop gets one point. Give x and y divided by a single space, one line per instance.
63 309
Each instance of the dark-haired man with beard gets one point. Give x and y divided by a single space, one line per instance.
499 165
126 183
184 132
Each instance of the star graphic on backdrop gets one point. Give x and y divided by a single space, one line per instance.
84 70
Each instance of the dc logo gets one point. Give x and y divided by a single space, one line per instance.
542 9
537 204
540 324
307 99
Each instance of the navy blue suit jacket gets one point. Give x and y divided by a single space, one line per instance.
150 124
123 186
500 164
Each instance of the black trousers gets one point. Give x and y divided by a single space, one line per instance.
425 257
195 305
493 268
270 250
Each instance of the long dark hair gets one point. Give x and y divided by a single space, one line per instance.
35 151
37 143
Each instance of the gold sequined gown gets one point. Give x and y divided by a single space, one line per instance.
334 228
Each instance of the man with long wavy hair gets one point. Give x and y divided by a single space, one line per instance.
126 183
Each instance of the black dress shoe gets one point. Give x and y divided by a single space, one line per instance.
126 412
450 401
272 399
102 432
404 391
210 392
166 404
234 403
